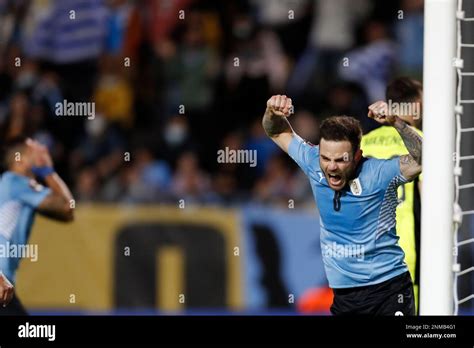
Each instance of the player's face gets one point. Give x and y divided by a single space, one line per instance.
27 159
337 162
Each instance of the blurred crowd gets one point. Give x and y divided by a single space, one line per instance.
174 81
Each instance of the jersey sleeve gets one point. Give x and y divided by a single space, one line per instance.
388 171
303 153
30 194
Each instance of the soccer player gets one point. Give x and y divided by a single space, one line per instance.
356 197
384 142
21 196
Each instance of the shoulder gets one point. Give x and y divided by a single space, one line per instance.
304 153
312 147
375 168
15 178
18 184
9 178
382 172
298 143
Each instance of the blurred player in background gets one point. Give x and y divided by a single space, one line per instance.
385 143
21 196
357 198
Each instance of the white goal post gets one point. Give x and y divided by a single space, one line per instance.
439 93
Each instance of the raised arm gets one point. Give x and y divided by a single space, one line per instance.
274 121
410 165
58 204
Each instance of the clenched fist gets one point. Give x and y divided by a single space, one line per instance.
6 290
40 153
280 105
380 112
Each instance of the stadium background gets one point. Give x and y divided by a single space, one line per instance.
173 82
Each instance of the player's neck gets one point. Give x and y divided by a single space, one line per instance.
357 169
21 171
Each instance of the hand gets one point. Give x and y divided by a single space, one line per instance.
40 153
6 290
280 105
379 112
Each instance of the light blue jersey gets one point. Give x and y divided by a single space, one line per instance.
358 242
19 197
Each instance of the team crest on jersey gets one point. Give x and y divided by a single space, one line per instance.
36 186
356 187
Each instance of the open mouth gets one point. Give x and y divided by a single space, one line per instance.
335 179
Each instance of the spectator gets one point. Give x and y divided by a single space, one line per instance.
149 179
372 64
185 92
189 182
409 36
332 34
275 185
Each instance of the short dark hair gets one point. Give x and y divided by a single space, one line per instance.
13 145
339 128
404 89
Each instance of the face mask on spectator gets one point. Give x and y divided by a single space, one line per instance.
96 127
26 79
175 134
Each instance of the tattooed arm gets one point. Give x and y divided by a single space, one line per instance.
275 123
410 165
58 203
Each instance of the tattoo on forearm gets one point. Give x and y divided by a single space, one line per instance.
275 125
408 160
412 140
